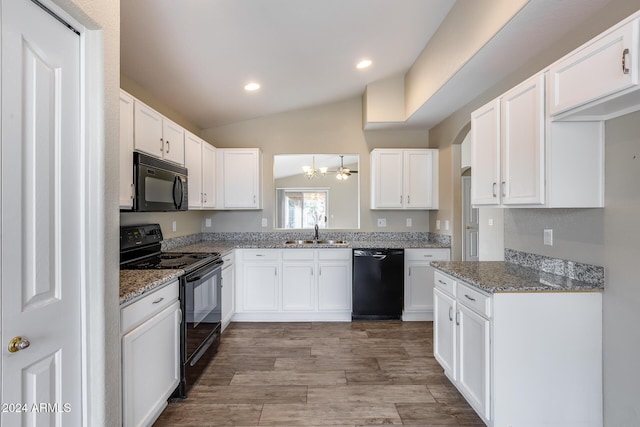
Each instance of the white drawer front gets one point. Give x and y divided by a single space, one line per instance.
146 307
426 254
445 283
261 254
298 254
474 299
344 254
229 258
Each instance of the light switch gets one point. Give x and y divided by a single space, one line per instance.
491 222
382 222
174 225
446 224
437 224
409 222
264 222
548 236
207 222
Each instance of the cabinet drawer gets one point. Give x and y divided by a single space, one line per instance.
261 255
298 254
134 314
426 254
475 300
229 258
343 254
445 283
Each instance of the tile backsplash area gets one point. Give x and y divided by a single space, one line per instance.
571 269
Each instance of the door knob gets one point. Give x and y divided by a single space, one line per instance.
18 343
468 227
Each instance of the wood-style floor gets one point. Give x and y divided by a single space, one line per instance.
323 374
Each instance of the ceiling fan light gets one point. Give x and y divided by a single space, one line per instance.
324 170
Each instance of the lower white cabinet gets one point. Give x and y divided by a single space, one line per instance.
418 282
228 289
150 355
521 358
293 284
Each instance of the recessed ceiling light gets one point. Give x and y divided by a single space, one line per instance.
364 64
253 86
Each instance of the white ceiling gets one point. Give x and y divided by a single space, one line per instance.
196 55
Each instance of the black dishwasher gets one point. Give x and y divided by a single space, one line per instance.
378 284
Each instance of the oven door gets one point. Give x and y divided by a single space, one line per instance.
202 312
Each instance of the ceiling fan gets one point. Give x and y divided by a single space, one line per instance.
343 173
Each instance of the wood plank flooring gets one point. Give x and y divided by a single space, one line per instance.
323 374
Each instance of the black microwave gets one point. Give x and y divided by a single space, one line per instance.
159 186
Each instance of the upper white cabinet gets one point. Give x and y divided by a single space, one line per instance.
239 178
156 135
404 179
599 80
126 150
200 161
520 158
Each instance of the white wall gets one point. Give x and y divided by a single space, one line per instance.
333 128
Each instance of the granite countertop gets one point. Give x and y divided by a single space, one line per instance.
223 246
135 283
499 276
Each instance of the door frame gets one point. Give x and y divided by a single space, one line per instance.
92 133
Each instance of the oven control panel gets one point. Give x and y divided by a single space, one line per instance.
132 236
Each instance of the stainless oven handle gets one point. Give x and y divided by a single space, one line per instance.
178 193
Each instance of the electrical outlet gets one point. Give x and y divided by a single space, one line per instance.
409 222
207 222
264 222
382 222
491 222
446 224
548 236
174 226
437 224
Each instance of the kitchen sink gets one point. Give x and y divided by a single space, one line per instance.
315 242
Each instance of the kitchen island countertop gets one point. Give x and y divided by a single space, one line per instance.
500 276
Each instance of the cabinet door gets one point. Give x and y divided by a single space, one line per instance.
208 175
334 285
261 287
604 66
126 151
240 179
298 286
193 162
444 332
418 179
387 179
418 287
148 130
150 366
228 292
485 154
522 111
474 359
173 136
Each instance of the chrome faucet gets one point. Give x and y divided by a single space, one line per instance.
315 235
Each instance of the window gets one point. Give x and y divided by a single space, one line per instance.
302 208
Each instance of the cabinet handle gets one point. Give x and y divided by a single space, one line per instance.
319 271
259 254
205 197
409 271
503 188
494 189
312 271
131 191
625 52
400 199
254 198
168 147
161 144
409 199
450 315
458 318
469 298
442 283
428 256
159 300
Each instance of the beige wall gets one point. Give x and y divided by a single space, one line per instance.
332 128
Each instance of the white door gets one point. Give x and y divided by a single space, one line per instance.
470 224
173 136
147 130
193 163
240 169
41 222
334 285
485 154
298 286
387 172
208 175
444 332
418 179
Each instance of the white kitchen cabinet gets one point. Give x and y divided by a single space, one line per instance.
126 150
513 355
520 158
199 159
600 78
239 178
418 282
150 355
228 288
314 284
260 281
298 280
334 280
156 135
404 179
